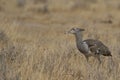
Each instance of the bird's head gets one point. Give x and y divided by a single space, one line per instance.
75 30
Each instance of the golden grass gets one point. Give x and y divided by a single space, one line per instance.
38 49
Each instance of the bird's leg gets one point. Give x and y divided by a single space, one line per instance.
87 58
88 66
98 57
111 64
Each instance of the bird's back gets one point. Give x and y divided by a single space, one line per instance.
97 47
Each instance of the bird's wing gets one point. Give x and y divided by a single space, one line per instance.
91 42
97 47
93 45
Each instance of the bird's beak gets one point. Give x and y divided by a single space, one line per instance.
67 32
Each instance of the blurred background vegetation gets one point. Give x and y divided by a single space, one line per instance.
33 45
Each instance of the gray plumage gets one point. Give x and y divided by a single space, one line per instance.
89 47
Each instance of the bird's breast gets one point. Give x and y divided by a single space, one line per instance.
83 47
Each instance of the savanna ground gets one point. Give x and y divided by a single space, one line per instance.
34 47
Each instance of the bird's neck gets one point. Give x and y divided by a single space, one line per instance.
78 37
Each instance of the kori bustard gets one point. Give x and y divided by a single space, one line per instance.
89 47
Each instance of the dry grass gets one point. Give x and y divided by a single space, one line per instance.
34 47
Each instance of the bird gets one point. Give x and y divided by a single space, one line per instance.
89 47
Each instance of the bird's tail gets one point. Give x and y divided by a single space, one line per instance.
107 53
